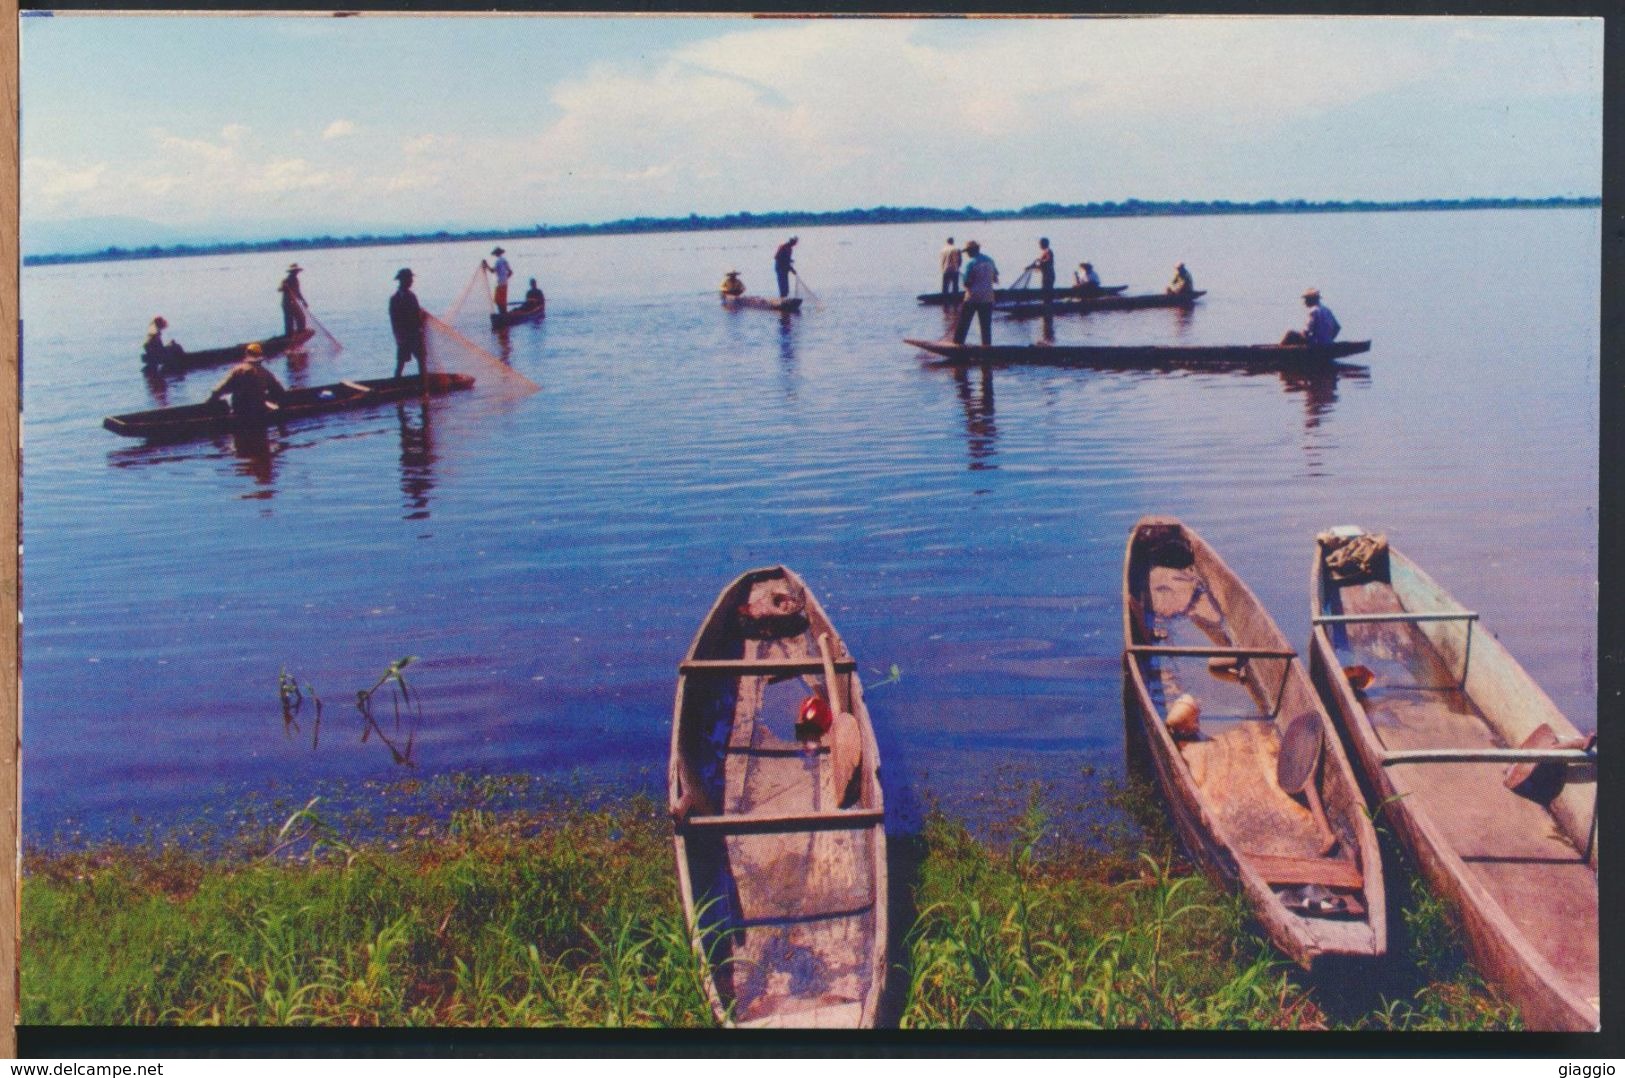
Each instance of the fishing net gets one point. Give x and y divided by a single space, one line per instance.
469 318
447 351
324 338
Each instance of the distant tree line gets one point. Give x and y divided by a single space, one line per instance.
879 215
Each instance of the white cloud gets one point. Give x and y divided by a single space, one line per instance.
48 184
338 129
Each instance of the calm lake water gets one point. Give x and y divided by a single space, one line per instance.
549 558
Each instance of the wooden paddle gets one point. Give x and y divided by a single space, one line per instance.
1295 769
1542 737
845 736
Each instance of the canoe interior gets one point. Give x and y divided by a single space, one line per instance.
1451 685
791 922
1222 788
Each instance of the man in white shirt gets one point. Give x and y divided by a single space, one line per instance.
502 271
950 269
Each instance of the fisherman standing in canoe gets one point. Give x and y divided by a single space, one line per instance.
406 320
951 260
1045 265
293 302
783 266
503 272
981 275
153 350
1321 328
254 391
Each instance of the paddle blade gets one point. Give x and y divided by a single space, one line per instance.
1300 752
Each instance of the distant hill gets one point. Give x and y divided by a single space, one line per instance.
114 243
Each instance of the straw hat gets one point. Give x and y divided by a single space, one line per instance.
497 251
253 353
295 268
1311 293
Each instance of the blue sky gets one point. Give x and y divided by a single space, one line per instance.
237 125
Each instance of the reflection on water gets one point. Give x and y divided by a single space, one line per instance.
256 458
417 458
981 432
787 354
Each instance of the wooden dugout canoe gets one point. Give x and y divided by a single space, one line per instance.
204 420
1181 607
1253 356
769 303
783 887
1520 872
1070 305
219 357
936 299
524 312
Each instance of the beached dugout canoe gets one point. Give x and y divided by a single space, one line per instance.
1256 356
513 316
936 299
781 860
219 357
1091 305
204 420
1520 868
767 303
1308 866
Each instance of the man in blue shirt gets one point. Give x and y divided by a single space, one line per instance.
981 275
1321 328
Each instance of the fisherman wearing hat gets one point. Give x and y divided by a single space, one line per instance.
1085 279
783 266
731 285
1321 328
950 259
254 391
153 350
503 271
1181 285
980 277
293 302
406 319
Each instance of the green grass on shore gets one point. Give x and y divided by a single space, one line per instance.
571 918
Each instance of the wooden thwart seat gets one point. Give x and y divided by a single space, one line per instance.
1325 871
1488 756
357 386
1212 650
762 667
1398 615
763 822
